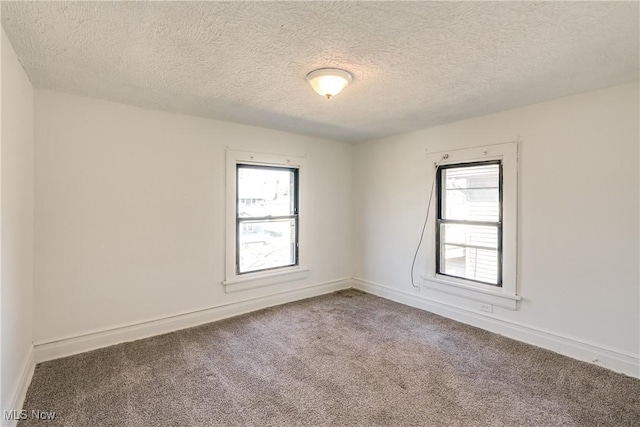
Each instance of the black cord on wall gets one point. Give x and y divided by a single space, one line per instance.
426 220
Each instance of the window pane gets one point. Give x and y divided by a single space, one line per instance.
474 235
471 193
265 192
470 263
481 176
266 244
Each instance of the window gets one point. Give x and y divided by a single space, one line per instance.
266 218
473 226
469 222
264 234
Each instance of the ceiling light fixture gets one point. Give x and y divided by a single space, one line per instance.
329 81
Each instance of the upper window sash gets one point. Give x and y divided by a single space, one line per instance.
267 211
440 186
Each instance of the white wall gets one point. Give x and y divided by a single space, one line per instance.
578 237
130 212
16 259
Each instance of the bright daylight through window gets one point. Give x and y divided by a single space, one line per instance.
266 218
469 222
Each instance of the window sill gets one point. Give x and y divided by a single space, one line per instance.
495 297
257 280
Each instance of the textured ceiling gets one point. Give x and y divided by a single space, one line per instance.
415 65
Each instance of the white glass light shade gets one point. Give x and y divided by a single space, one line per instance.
329 81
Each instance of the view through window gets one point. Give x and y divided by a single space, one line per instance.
469 222
266 218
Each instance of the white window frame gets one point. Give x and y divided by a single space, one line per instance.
505 296
236 282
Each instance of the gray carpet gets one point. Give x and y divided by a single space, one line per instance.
346 359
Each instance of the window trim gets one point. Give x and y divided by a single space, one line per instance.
507 295
439 220
235 281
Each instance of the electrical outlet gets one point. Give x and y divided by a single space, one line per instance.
487 308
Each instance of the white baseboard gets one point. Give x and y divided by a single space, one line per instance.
572 347
568 346
19 389
55 349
